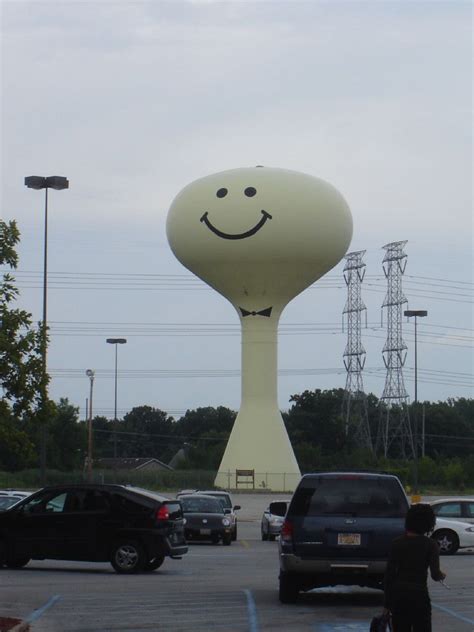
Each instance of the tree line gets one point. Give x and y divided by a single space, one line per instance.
314 423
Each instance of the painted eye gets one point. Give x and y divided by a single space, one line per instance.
250 191
221 193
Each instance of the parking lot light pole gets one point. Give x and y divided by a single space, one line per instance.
90 374
415 313
58 183
116 342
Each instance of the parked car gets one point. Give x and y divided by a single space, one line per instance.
133 529
226 501
205 519
272 519
452 535
338 530
461 509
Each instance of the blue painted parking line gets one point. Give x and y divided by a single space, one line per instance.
252 611
342 626
453 613
36 614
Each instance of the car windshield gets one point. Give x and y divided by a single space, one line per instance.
223 499
351 496
198 504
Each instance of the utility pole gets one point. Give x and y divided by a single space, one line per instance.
90 374
417 313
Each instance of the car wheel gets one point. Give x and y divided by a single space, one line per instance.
447 540
264 536
154 563
271 538
288 591
17 562
227 539
128 556
234 533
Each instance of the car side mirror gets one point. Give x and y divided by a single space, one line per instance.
227 511
237 507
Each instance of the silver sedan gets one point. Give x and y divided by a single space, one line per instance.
273 518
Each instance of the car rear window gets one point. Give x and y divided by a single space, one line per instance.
198 504
351 496
222 498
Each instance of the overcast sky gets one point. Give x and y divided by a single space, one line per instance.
131 101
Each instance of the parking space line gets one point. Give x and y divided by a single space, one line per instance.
452 613
245 544
36 614
252 611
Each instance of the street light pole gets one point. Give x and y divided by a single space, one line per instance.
90 374
116 341
415 313
58 183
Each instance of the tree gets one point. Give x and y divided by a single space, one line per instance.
22 377
150 434
67 438
207 431
16 448
315 419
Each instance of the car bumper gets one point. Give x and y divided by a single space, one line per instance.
207 534
176 547
293 564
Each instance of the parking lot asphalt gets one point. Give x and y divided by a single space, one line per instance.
212 589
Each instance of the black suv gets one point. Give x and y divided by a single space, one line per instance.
338 530
131 528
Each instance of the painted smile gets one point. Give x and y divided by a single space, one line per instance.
248 233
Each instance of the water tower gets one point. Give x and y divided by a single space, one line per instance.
259 236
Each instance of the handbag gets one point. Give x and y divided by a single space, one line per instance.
381 623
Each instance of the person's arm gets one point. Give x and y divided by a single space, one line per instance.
436 573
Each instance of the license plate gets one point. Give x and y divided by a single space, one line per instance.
348 539
205 532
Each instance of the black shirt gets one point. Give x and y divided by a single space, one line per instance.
408 563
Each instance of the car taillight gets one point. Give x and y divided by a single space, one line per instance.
163 513
286 533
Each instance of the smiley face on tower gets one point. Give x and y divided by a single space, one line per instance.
259 235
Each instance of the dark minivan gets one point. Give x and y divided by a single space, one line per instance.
338 530
133 529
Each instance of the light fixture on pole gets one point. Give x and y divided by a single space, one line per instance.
116 342
90 374
58 183
415 313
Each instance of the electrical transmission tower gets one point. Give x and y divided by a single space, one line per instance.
354 405
394 432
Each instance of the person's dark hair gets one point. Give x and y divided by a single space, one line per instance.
420 518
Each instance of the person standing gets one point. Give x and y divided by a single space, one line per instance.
406 591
